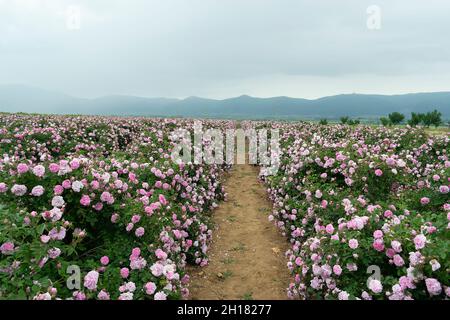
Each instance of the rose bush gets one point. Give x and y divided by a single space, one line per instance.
101 194
354 200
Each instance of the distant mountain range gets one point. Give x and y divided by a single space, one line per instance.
18 98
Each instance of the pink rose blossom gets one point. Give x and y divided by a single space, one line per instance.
329 228
124 272
397 246
420 241
433 286
353 243
19 190
53 167
337 269
3 187
160 254
22 168
398 260
150 288
114 217
103 295
54 253
58 190
378 245
104 260
39 170
7 248
85 200
443 189
91 279
377 234
375 286
162 200
139 232
160 296
37 191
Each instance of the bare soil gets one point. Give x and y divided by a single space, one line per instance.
246 257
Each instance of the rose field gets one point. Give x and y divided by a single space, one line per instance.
351 198
95 208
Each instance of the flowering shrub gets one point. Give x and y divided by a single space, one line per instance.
355 200
366 210
101 194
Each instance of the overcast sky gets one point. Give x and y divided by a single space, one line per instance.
224 48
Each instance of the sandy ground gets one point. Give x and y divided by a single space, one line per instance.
247 252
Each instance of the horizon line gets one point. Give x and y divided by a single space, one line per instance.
214 99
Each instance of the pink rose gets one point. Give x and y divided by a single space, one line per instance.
54 253
160 296
22 168
162 200
39 171
443 189
37 191
66 184
58 190
390 252
91 279
139 232
74 164
378 245
160 254
107 197
398 260
150 288
353 243
104 260
377 234
85 200
329 228
397 246
124 272
114 217
3 187
375 286
7 248
388 214
136 252
53 167
337 269
433 286
419 241
103 295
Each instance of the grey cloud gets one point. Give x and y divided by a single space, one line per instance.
213 48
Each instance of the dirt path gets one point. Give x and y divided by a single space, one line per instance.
247 254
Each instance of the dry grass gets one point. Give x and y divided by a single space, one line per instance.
438 131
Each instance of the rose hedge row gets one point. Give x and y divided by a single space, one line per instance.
101 194
359 200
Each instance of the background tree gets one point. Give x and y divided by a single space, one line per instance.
396 117
323 122
432 118
353 122
416 119
344 120
435 118
385 121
